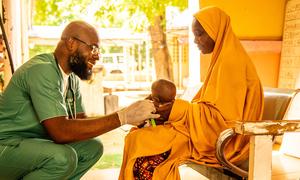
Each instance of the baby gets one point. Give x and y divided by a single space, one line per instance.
162 91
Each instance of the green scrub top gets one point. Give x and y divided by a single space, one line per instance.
34 94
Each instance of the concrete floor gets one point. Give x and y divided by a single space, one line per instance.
186 173
283 168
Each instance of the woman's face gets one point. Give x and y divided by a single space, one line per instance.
204 42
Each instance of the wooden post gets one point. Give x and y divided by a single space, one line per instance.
111 103
260 159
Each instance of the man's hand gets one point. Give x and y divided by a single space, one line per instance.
137 112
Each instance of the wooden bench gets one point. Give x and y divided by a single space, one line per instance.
279 116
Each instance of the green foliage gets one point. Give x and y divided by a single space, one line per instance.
152 8
134 14
137 14
116 49
110 14
56 12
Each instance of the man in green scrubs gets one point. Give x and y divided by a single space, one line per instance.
44 132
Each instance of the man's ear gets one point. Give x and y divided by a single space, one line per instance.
71 45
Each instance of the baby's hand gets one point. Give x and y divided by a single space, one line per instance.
142 124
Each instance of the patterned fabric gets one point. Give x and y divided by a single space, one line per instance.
144 166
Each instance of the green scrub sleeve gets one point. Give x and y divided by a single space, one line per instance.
45 88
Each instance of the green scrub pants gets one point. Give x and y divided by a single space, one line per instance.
38 159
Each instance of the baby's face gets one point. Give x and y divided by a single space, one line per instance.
162 98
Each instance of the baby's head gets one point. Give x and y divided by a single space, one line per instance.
163 91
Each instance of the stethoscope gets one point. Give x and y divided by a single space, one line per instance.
67 98
71 99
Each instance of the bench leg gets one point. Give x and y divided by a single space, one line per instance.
260 158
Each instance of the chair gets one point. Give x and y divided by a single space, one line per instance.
278 102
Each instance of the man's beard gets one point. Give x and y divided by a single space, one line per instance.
79 66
